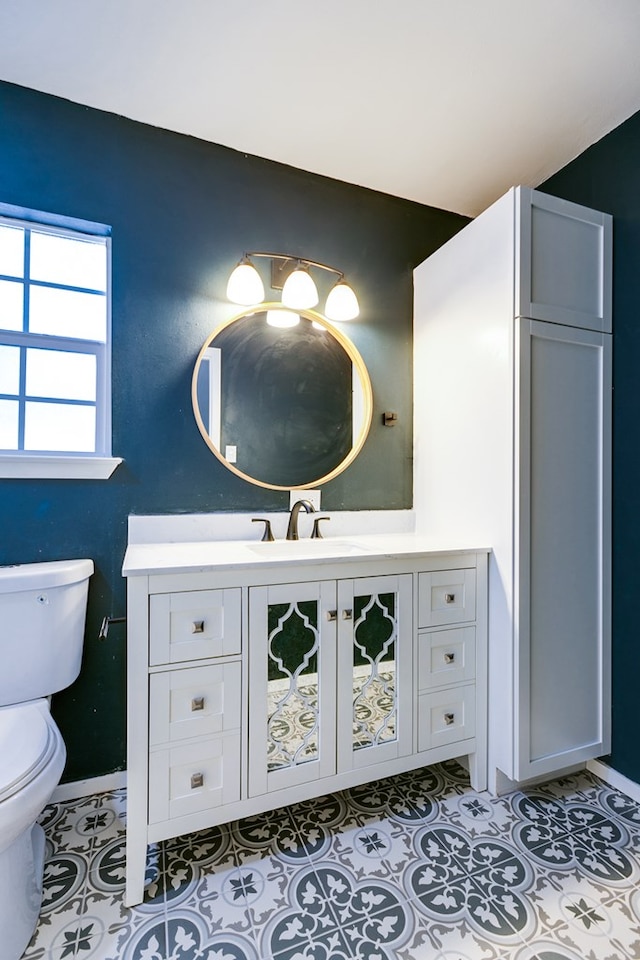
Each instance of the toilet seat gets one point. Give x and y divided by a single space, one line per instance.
28 740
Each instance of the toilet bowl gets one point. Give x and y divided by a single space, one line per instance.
42 615
32 760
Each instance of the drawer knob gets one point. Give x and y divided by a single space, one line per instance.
449 657
332 615
197 626
347 614
449 718
197 780
449 597
197 704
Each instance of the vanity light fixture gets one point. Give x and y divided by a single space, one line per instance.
342 303
292 275
299 291
245 284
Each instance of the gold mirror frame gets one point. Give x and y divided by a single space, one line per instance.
358 364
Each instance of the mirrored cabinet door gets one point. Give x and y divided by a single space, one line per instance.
292 705
374 670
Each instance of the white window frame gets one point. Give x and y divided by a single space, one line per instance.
89 466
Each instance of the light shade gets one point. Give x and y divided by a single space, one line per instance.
342 303
299 291
245 285
282 318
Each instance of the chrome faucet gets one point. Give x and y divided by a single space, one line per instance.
292 529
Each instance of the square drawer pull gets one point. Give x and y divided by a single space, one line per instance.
197 780
449 718
197 704
197 626
449 597
449 657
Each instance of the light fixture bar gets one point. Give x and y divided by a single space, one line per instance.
289 263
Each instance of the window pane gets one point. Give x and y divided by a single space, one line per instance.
12 251
11 304
61 374
65 313
10 370
60 426
9 424
75 263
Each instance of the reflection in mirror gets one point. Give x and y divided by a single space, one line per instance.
282 406
374 670
292 698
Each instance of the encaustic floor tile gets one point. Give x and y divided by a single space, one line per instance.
419 867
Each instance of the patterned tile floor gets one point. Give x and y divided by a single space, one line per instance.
418 867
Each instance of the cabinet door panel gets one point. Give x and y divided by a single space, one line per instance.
374 670
292 684
565 250
563 643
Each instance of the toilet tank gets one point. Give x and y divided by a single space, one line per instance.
42 616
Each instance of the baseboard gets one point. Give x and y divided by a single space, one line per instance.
85 788
614 779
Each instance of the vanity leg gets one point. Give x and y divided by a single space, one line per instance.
135 869
137 738
477 772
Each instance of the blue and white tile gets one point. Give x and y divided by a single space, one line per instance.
378 847
435 940
405 798
575 836
371 909
304 925
73 828
478 814
317 822
270 834
580 920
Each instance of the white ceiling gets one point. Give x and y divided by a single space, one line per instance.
448 102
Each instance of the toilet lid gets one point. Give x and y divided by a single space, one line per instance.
27 741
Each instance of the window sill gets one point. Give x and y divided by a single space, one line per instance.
57 467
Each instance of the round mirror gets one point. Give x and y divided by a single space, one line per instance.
283 399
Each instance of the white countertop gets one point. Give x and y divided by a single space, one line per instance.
142 559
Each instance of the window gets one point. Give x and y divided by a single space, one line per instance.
55 390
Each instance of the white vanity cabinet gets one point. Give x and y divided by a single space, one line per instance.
252 685
512 346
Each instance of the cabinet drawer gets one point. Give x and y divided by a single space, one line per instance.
198 701
193 777
446 716
446 596
446 657
194 625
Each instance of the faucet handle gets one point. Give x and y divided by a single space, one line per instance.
315 533
268 532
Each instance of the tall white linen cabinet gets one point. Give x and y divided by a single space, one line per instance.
512 346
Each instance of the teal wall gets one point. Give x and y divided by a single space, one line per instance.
182 211
607 177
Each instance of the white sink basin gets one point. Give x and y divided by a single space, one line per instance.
306 548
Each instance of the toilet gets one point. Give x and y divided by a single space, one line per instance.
42 617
